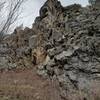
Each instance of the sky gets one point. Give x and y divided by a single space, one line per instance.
30 10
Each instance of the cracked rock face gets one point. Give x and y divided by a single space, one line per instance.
73 38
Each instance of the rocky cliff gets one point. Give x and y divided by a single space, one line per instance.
64 43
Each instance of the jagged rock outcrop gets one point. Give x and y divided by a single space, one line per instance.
18 49
72 41
64 43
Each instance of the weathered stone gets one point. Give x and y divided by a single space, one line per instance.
54 51
58 71
42 73
40 67
72 75
33 41
68 67
3 62
63 56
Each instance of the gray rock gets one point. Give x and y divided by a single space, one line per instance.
12 65
40 67
68 67
58 71
54 51
51 63
63 55
3 62
33 41
42 73
72 75
56 36
84 83
61 60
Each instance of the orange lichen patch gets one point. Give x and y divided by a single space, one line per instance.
39 55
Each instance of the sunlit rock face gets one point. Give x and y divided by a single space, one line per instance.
64 43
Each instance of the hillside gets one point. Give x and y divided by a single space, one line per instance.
63 46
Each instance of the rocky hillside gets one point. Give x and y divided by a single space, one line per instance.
64 43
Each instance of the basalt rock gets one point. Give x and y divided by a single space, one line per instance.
73 38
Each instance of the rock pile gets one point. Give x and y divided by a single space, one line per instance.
15 51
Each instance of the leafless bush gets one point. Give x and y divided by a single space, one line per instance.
9 13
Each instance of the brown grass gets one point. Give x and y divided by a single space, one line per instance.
26 85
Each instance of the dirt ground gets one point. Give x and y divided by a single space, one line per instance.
26 85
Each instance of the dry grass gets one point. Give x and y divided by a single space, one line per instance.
16 92
26 85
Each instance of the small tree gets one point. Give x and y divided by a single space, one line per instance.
13 12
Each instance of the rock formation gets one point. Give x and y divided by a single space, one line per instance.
64 43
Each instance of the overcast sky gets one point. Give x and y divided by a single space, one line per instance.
31 9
